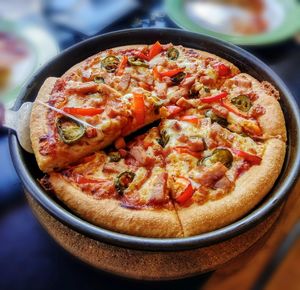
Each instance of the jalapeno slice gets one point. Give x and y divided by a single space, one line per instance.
135 61
242 102
123 180
164 138
214 118
110 63
114 156
173 53
219 155
69 130
178 77
99 80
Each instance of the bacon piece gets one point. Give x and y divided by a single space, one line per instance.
221 136
207 81
210 175
196 145
184 103
220 111
188 82
124 82
81 88
140 155
158 188
161 89
224 183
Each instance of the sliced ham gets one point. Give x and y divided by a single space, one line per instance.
140 155
188 82
196 144
224 183
161 89
210 175
81 88
124 82
158 188
220 111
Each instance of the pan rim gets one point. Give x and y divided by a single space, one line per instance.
158 244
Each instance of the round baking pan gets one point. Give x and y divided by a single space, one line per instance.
28 171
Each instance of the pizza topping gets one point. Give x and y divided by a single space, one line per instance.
210 175
222 69
257 111
171 73
184 189
69 130
214 118
122 66
168 111
173 53
110 63
221 155
120 143
99 80
83 111
81 88
164 139
224 183
158 188
253 159
191 119
135 61
138 108
177 78
114 156
124 82
214 98
242 102
187 150
155 49
123 180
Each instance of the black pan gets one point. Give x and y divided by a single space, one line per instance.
28 171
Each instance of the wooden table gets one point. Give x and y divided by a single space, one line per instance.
243 272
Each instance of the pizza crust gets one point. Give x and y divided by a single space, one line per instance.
107 213
249 190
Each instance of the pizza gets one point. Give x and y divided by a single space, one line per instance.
158 140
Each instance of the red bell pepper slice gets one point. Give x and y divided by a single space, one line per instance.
223 69
186 194
173 110
155 49
141 55
122 66
214 98
171 73
83 111
191 119
138 108
253 159
156 74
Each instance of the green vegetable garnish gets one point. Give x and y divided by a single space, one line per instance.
110 63
69 130
137 62
219 155
178 77
242 102
214 118
173 53
123 180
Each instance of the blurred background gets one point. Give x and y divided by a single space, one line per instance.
34 31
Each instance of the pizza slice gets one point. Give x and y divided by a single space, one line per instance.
123 190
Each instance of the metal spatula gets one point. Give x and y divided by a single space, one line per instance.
19 121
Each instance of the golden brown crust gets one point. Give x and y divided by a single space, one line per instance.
108 213
249 190
38 122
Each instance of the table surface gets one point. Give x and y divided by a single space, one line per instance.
30 259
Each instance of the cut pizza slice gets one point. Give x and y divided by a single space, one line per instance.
215 175
104 115
123 190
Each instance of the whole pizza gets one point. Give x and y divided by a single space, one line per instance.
158 140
